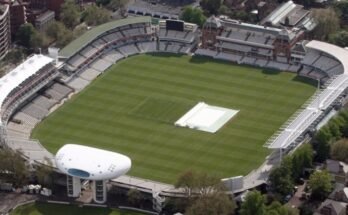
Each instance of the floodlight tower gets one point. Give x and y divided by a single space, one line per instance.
82 162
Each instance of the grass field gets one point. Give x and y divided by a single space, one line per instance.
132 108
56 209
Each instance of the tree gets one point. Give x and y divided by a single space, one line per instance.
211 6
117 4
342 9
339 150
254 204
94 15
134 196
60 33
322 143
187 181
36 40
280 177
194 15
301 158
215 204
320 184
25 34
278 209
327 23
102 2
339 38
70 14
202 188
13 168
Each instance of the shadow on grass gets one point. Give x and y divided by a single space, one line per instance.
271 71
164 54
305 80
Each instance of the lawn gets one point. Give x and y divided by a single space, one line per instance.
132 108
57 209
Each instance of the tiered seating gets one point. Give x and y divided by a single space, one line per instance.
25 118
77 60
64 90
35 111
89 51
311 57
179 36
89 74
206 52
278 65
57 92
322 65
100 65
129 50
148 46
44 102
229 57
78 83
325 63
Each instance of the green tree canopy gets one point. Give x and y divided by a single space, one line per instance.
94 15
339 38
24 34
339 150
193 15
202 188
320 184
70 14
117 4
301 158
254 204
322 143
211 6
278 209
280 177
214 204
102 2
60 33
13 168
328 23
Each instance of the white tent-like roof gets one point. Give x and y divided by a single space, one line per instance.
22 72
91 163
339 53
300 122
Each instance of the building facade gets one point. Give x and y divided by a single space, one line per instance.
5 32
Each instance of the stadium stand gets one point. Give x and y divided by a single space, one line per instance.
255 44
23 82
177 36
31 91
319 53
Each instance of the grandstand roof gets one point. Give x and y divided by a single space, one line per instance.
17 76
87 37
339 53
91 163
301 121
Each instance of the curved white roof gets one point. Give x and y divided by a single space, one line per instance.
91 163
318 103
339 53
17 76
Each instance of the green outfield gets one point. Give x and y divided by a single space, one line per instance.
57 209
132 108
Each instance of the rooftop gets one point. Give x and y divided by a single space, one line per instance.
91 163
87 37
17 76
